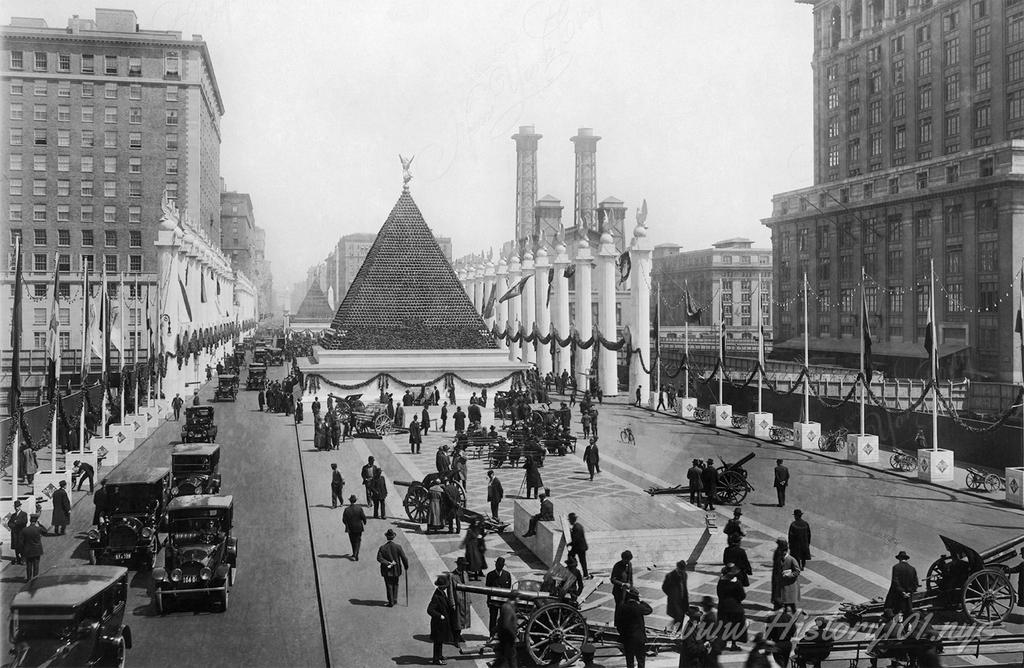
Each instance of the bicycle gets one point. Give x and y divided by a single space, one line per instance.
626 435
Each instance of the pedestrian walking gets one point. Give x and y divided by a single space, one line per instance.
442 617
393 563
495 493
622 576
354 520
195 398
99 502
16 523
378 493
730 607
661 399
82 471
415 439
785 578
444 417
693 476
425 421
475 549
460 420
629 622
735 554
781 481
592 457
800 539
61 517
532 476
677 595
337 486
460 599
366 473
709 484
734 527
578 543
315 407
261 399
32 546
585 422
593 424
442 462
904 583
638 404
498 578
29 463
176 403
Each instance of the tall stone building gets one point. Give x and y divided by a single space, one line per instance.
103 120
238 231
918 115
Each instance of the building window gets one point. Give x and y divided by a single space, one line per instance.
39 263
87 89
874 54
922 180
110 91
134 165
953 124
172 117
894 263
42 63
110 114
1015 105
986 167
110 264
87 239
924 62
950 21
39 112
982 115
135 239
87 262
172 65
134 92
39 163
39 236
987 219
135 189
1015 66
17 60
899 138
39 88
899 73
135 263
171 142
874 84
952 52
171 192
954 260
64 89
134 140
982 40
110 165
14 213
924 131
868 190
854 119
135 214
988 296
110 139
14 187
894 229
63 163
982 77
64 138
88 64
171 94
88 139
875 112
86 213
979 9
110 214
63 187
899 105
134 66
87 114
16 137
110 63
39 187
135 115
988 257
110 239
110 188
833 127
952 173
833 155
17 87
924 98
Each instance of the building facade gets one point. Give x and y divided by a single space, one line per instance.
918 107
103 119
238 231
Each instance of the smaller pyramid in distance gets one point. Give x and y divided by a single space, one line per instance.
406 294
314 306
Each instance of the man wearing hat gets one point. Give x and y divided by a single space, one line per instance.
441 460
904 584
622 576
573 586
629 622
546 514
61 509
391 558
733 526
498 578
366 473
693 477
781 481
507 628
495 493
709 483
677 595
354 520
460 599
800 538
82 471
337 486
16 523
32 546
442 617
578 543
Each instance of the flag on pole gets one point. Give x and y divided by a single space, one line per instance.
202 287
53 339
721 350
625 265
516 289
929 337
551 280
105 327
693 312
489 307
15 401
866 338
86 316
184 299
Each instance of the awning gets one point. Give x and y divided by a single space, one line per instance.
851 346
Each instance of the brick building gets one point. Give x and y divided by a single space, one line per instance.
918 107
103 119
238 231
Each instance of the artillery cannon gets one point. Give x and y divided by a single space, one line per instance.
417 502
368 417
974 583
733 485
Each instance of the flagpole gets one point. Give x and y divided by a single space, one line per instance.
135 346
16 369
863 375
120 334
104 316
1020 314
807 359
934 362
686 340
756 309
85 355
55 351
657 342
721 345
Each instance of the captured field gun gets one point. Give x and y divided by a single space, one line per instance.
733 485
368 417
417 502
964 580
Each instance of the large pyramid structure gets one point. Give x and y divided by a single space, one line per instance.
314 307
406 294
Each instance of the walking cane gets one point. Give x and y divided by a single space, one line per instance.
406 574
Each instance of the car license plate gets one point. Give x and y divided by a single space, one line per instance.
189 579
123 556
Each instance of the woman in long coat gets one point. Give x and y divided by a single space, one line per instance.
399 416
475 550
785 578
730 606
735 554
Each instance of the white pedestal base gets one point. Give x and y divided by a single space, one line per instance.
935 465
759 425
1015 486
45 484
721 415
685 406
105 450
163 407
151 414
139 425
806 435
862 448
124 435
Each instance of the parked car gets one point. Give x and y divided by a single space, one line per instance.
195 469
257 378
128 532
201 554
227 387
276 357
199 426
261 355
71 616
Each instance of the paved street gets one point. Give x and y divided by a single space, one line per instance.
274 617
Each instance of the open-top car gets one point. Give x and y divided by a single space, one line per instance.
201 554
132 515
257 378
199 426
195 469
71 616
227 387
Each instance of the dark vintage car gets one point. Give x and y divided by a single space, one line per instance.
227 387
71 616
276 357
195 469
201 554
261 355
199 426
129 526
257 377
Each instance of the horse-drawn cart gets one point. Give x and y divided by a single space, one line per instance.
733 485
963 580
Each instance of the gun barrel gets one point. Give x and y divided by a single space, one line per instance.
743 461
1003 550
500 592
401 483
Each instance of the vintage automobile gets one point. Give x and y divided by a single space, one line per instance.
276 357
199 426
195 469
261 355
71 616
257 378
227 387
201 554
129 526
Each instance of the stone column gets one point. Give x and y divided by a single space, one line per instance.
500 307
478 287
489 273
607 359
514 272
540 287
584 320
640 314
560 301
528 308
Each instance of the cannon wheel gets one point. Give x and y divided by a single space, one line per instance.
344 410
987 596
555 623
732 488
933 580
993 483
416 503
382 425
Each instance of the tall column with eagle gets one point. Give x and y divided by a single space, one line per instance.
584 319
500 307
541 266
640 310
514 272
528 308
607 360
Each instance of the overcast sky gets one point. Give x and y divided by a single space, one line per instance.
704 109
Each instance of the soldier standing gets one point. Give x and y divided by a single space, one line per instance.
392 560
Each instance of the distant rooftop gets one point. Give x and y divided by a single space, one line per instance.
735 242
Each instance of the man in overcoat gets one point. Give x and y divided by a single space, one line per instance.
578 543
442 617
32 546
904 584
441 460
16 523
781 482
392 560
354 520
622 577
678 597
629 622
61 509
693 476
709 483
495 493
415 439
800 539
460 420
592 457
366 473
